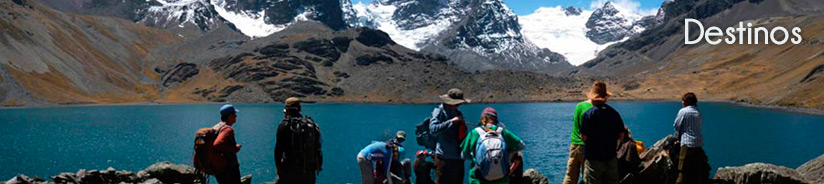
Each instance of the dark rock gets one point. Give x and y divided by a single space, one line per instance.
532 176
180 73
319 47
20 2
228 90
275 50
374 38
758 173
20 179
341 74
660 169
436 57
572 11
221 63
168 172
814 74
65 178
341 43
336 92
813 170
372 58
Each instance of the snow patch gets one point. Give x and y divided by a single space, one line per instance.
551 28
381 15
249 23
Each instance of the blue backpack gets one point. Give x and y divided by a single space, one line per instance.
491 157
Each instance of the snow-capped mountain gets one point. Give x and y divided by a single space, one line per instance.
612 23
580 34
181 13
254 18
476 34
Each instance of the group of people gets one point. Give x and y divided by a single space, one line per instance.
298 155
494 151
598 139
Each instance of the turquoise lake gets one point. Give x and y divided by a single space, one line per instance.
47 141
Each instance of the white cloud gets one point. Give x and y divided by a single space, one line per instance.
631 5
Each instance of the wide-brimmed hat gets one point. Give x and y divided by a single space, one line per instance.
454 97
599 92
292 102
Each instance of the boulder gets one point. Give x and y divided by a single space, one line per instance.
168 172
660 169
65 178
152 181
758 173
813 170
532 176
319 47
373 37
369 59
20 179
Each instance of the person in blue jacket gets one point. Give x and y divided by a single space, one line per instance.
448 124
382 152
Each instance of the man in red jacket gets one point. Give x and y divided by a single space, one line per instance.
227 147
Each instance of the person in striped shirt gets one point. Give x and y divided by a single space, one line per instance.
692 161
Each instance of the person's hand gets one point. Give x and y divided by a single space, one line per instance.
457 119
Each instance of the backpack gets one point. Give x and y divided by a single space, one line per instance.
304 151
206 159
422 134
491 158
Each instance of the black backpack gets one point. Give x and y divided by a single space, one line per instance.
423 136
304 151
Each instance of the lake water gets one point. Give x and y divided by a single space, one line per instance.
47 141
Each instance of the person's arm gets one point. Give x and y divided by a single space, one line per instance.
619 125
679 119
584 127
280 144
437 125
320 149
225 141
513 142
468 145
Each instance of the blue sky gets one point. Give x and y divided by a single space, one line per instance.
524 7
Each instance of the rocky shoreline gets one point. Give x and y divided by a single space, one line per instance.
656 166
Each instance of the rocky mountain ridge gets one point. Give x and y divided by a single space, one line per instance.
758 74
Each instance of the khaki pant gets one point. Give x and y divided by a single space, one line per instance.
692 166
574 164
597 172
367 171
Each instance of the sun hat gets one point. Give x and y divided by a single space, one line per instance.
292 102
454 97
599 92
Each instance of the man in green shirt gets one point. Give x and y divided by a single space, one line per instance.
489 123
576 144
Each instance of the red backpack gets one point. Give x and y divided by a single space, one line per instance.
206 159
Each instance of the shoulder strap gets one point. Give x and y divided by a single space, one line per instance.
219 128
